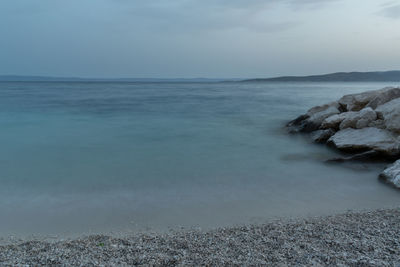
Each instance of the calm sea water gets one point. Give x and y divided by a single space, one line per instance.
102 157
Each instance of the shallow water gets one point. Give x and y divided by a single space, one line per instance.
101 157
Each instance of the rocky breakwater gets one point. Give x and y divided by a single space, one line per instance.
365 126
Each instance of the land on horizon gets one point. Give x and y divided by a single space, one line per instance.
372 76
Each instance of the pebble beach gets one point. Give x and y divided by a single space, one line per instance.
367 238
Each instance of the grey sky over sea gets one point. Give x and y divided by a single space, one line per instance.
197 38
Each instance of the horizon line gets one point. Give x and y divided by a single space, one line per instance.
81 78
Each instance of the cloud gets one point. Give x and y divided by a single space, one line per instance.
309 4
215 15
244 4
162 37
392 12
179 16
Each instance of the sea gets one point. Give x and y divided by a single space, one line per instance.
107 157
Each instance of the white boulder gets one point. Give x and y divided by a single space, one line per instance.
390 113
319 117
313 119
358 119
333 121
369 138
392 174
353 119
317 109
384 95
372 99
377 124
321 136
356 102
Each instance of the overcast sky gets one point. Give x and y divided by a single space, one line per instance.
197 38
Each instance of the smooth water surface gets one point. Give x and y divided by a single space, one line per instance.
101 157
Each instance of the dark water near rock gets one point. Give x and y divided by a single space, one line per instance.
101 157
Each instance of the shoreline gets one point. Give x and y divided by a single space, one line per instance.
351 238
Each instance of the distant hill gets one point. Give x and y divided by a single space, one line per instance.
18 78
374 76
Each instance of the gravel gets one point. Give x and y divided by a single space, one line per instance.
369 238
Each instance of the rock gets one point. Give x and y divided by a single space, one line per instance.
333 121
362 123
364 156
369 138
388 107
366 125
298 120
377 124
313 119
353 119
390 113
356 102
359 119
384 95
317 118
317 109
349 120
392 174
372 99
296 125
321 136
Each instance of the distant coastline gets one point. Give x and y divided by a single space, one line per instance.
373 76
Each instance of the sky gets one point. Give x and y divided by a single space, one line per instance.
197 38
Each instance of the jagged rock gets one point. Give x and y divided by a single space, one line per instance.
313 119
357 140
388 107
359 119
384 95
321 136
390 113
386 101
364 156
377 124
392 174
372 99
297 125
333 121
356 102
362 123
319 117
317 109
354 119
299 119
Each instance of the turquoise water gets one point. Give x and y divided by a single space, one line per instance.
102 157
